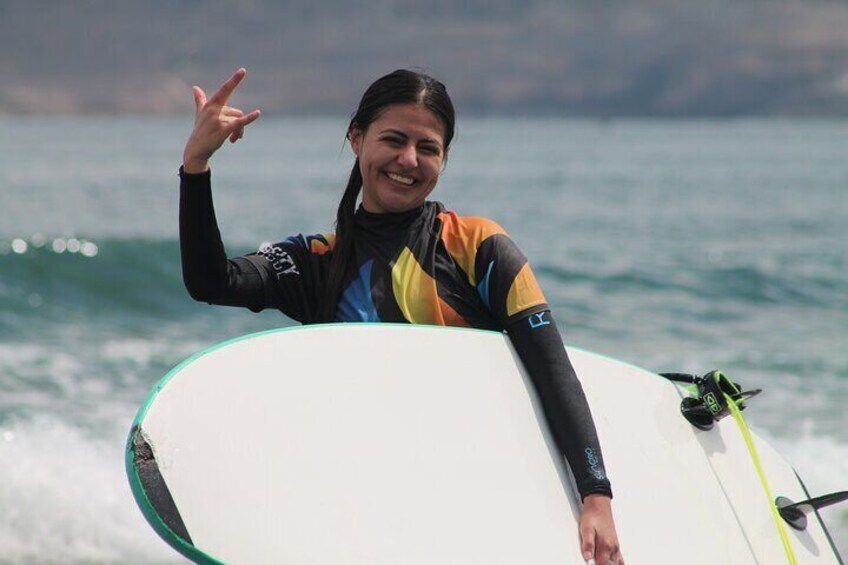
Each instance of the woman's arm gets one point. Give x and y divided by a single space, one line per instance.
538 343
207 273
284 276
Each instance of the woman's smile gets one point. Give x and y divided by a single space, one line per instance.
408 181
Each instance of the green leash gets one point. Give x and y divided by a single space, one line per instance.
716 396
755 457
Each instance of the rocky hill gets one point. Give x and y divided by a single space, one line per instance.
572 57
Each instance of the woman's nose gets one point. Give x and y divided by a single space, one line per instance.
408 156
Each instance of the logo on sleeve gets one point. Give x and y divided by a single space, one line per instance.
594 464
280 259
538 320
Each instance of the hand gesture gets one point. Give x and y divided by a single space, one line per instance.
598 540
214 123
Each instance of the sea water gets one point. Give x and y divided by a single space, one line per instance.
674 245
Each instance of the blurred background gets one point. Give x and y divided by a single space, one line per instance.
675 171
554 57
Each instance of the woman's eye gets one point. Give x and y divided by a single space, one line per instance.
393 140
430 150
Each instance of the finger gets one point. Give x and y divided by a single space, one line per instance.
604 558
199 98
587 543
237 134
232 112
608 546
234 129
244 121
604 552
223 93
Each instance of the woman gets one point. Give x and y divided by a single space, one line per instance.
397 258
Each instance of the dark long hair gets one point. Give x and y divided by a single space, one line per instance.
399 87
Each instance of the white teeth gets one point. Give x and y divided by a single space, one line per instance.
400 178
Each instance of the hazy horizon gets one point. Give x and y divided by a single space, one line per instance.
657 58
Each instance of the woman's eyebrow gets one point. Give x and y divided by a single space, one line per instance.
405 136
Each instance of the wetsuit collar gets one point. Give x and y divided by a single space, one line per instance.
392 222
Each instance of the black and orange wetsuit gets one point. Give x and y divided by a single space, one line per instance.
424 266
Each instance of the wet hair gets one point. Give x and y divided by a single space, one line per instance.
399 87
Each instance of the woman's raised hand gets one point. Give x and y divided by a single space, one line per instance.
214 123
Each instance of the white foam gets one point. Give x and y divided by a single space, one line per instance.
141 352
13 354
66 499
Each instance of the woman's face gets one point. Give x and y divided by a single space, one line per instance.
400 156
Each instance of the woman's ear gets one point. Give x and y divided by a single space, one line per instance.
355 137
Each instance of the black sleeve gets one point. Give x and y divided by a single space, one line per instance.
538 343
207 273
281 276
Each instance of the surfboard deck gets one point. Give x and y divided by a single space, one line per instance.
361 443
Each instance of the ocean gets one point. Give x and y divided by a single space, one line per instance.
674 245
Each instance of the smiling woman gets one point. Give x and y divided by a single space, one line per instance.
397 258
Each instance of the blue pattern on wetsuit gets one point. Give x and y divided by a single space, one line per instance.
297 240
483 287
356 304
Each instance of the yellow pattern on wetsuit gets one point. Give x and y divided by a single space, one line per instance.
417 296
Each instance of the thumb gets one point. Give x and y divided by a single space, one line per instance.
199 97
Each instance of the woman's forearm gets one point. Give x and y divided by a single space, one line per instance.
540 348
207 273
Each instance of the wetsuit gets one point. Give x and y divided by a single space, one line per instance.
424 266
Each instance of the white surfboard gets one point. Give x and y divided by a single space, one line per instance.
387 444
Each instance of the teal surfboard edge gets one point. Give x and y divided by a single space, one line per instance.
148 511
171 538
150 514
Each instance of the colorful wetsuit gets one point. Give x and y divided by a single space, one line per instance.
424 266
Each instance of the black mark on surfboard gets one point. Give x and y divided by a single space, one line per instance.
154 486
